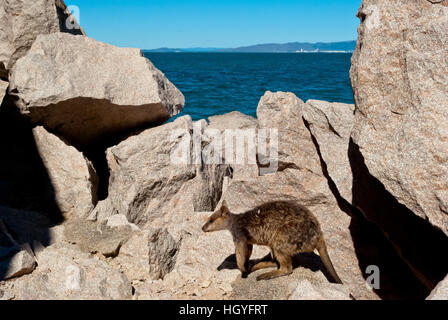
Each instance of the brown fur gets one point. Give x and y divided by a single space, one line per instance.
288 228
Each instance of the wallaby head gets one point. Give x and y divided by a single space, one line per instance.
219 220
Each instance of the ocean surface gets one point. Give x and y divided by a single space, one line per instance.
217 83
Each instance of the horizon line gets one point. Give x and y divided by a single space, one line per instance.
245 46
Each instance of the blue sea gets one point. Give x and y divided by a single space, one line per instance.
217 83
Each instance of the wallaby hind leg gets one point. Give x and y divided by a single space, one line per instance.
266 262
264 265
285 262
322 248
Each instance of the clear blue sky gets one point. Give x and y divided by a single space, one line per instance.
150 24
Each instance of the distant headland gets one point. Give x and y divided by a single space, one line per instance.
291 47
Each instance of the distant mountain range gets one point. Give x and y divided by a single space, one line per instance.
344 46
183 50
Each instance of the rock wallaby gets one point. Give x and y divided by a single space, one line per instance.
288 228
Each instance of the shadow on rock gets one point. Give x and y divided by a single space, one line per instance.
406 237
28 208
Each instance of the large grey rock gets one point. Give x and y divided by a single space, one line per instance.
22 21
86 90
73 177
331 125
144 177
64 272
283 111
400 79
440 292
399 152
3 88
234 126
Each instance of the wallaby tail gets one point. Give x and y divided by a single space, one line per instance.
327 262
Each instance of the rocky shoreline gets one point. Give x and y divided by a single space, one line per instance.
92 205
